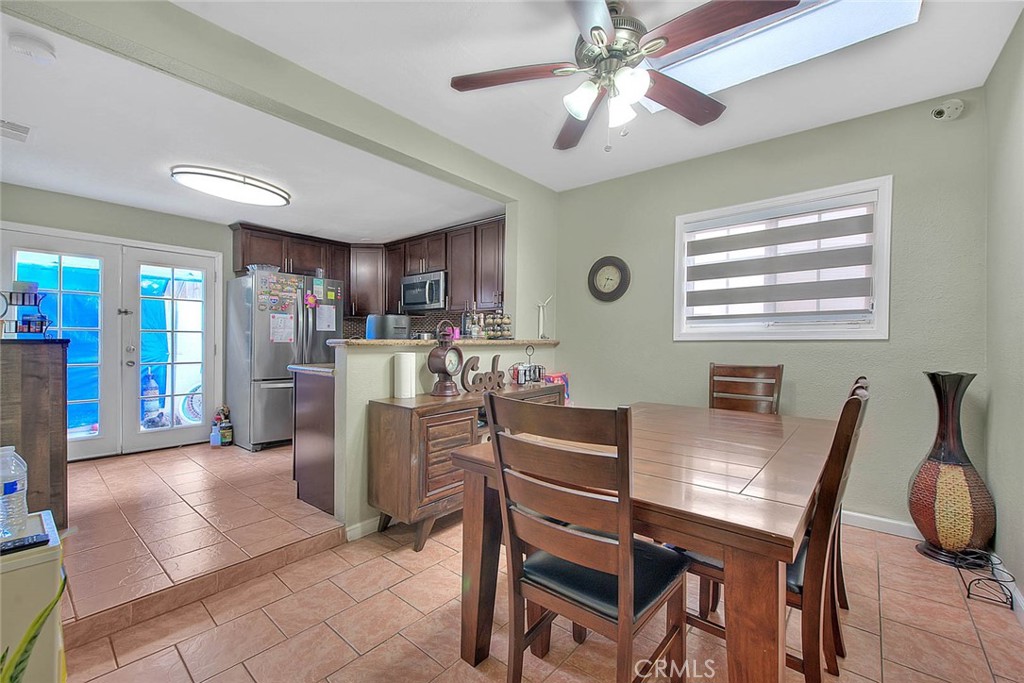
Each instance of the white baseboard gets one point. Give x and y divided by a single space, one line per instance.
359 529
882 524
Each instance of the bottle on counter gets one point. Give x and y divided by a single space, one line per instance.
13 504
467 321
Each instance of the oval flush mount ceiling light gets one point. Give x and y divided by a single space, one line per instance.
39 51
233 186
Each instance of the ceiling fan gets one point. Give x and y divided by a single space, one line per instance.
611 49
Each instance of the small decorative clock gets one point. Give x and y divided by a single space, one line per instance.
608 279
445 360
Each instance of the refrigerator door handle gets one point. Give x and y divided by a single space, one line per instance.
275 385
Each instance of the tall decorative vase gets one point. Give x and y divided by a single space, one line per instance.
949 502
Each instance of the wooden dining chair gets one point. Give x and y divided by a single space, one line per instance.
837 549
810 578
750 388
568 525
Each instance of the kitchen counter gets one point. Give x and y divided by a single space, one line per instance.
326 369
433 342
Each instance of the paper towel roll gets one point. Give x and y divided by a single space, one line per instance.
405 375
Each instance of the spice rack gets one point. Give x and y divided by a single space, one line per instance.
39 325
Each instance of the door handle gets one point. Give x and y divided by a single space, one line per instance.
130 363
277 385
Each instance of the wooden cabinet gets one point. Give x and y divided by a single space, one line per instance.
34 418
313 437
304 257
461 269
425 255
394 269
367 281
411 476
256 246
490 264
338 264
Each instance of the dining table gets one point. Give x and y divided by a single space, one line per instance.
734 485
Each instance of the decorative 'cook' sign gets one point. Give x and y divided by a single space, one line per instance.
483 381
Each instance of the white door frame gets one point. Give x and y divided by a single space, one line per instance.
216 298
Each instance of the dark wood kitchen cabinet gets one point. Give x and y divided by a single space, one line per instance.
367 281
34 418
425 255
303 257
394 269
256 246
490 264
409 465
338 264
461 269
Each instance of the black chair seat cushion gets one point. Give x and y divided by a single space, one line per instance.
794 571
654 569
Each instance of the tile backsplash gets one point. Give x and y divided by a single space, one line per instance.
355 328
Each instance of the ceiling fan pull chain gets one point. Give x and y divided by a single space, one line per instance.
608 139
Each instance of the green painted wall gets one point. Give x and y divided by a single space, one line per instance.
623 351
1004 93
68 212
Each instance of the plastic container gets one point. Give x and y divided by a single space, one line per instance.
215 436
227 433
13 505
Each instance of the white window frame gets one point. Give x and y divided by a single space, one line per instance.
878 328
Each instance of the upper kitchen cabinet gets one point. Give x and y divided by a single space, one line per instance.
461 268
425 255
366 287
394 269
490 264
252 247
304 257
338 263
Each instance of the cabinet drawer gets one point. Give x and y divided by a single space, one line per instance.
439 435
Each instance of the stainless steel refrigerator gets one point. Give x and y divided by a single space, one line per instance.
275 320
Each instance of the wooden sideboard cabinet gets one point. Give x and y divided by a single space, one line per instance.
34 418
411 476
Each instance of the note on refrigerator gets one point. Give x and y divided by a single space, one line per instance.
282 328
326 320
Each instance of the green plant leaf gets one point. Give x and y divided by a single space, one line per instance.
3 657
14 668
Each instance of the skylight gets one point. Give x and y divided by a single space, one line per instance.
814 28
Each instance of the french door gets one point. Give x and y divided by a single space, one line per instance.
167 349
141 326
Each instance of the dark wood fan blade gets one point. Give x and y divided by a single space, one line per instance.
487 79
590 14
683 100
711 19
573 128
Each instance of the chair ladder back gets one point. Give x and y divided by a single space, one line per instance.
560 462
593 490
750 388
834 478
585 425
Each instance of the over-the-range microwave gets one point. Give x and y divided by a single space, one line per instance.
424 292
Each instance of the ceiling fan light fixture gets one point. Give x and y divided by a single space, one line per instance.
232 186
580 100
632 84
619 112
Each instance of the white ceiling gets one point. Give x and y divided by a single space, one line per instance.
403 54
109 129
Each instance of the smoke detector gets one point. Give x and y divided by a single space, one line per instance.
948 110
39 51
14 131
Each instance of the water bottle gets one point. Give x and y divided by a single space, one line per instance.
13 505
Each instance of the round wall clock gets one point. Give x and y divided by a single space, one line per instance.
608 279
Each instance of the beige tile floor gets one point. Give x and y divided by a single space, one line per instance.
142 523
373 610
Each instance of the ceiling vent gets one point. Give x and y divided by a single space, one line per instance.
14 131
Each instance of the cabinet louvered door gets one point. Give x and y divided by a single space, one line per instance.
439 436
